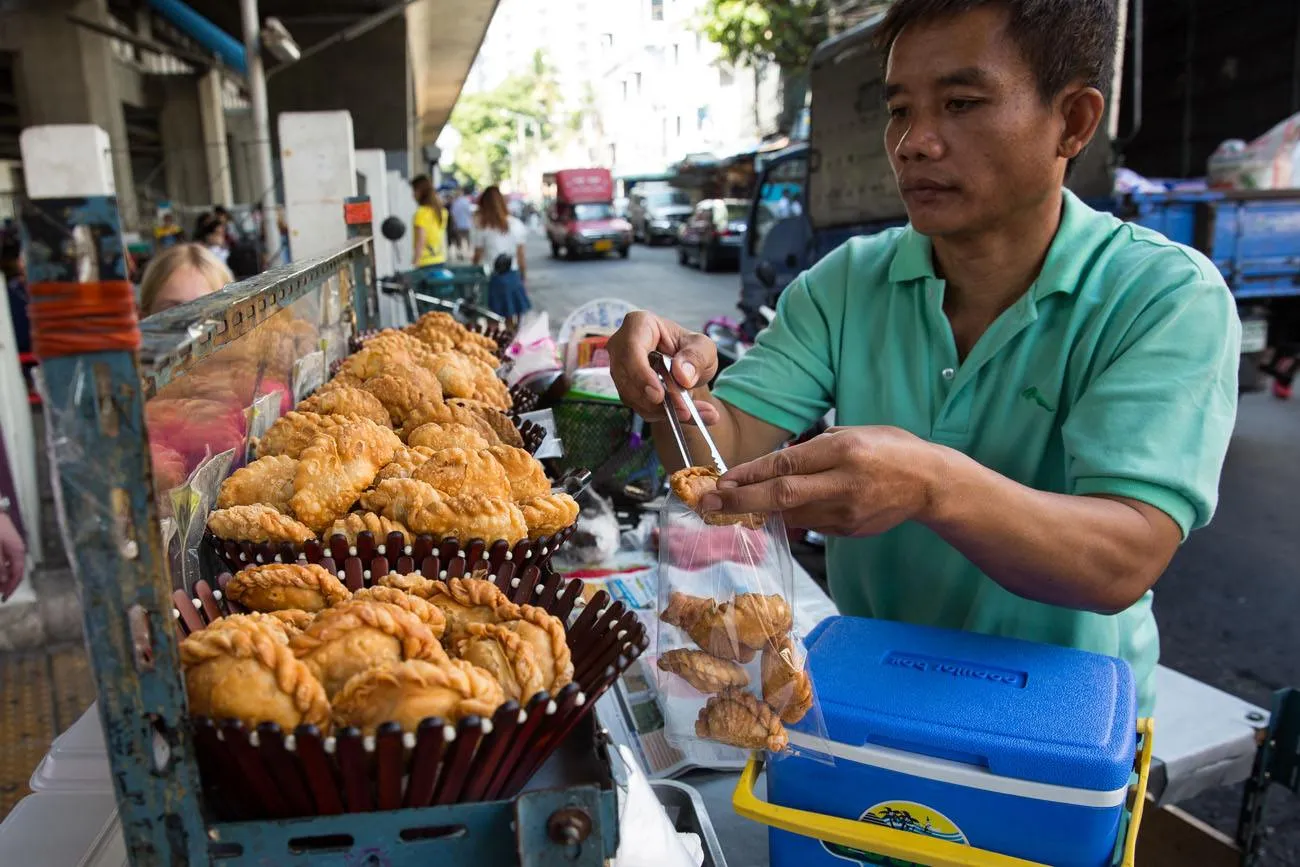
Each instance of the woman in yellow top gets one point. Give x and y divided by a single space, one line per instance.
430 240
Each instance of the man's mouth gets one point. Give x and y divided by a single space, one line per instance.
924 187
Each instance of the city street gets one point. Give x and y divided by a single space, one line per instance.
1226 607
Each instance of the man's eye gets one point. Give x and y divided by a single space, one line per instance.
960 105
897 112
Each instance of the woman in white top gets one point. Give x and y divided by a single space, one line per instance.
498 241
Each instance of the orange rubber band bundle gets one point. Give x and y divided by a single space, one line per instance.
71 318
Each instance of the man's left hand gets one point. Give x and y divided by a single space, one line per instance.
850 481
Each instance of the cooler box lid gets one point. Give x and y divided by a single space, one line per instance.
1022 710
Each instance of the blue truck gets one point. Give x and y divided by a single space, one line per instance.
839 184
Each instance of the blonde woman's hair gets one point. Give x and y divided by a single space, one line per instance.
161 268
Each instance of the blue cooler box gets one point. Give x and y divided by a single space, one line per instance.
1013 747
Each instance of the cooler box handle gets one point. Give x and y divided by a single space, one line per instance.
905 845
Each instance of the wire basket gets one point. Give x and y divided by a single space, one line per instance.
608 439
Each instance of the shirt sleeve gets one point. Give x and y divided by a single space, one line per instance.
788 378
1154 424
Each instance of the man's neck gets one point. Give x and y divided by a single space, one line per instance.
987 272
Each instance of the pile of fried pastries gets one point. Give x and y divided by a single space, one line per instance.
408 648
411 436
728 635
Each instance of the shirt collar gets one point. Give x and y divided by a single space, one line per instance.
1062 269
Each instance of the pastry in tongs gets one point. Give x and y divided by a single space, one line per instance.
691 484
786 686
701 670
549 514
244 670
353 637
735 717
414 690
277 586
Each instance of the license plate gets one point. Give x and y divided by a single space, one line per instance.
603 246
1254 335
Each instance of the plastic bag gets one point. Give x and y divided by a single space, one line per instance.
730 664
1270 162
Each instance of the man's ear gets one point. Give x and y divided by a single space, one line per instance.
1082 109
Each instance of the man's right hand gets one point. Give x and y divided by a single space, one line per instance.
694 356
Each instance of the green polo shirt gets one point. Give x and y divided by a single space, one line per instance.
1116 373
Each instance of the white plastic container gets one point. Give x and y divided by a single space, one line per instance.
77 761
63 829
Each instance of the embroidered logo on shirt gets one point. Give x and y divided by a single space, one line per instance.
1032 393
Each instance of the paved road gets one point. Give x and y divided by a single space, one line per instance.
1229 607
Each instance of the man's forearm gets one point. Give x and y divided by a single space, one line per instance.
724 435
1091 553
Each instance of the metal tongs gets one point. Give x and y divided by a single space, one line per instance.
662 366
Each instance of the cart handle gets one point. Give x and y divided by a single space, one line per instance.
904 844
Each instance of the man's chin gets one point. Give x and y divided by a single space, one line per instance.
937 222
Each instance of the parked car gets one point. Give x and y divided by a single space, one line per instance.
714 234
657 213
582 221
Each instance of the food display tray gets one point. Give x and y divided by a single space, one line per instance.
264 772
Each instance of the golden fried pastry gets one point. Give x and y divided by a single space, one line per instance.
709 625
786 686
460 376
459 471
760 618
384 352
429 614
295 620
353 524
498 421
471 600
350 638
294 431
278 586
735 717
702 671
692 483
402 389
506 656
404 462
527 478
257 524
416 585
335 399
450 435
336 468
546 634
549 514
423 509
478 353
245 671
412 691
281 629
440 412
267 480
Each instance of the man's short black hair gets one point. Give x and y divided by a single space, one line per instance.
1064 41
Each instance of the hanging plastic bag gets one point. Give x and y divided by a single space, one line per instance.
730 665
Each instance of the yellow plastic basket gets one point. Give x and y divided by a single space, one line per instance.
918 848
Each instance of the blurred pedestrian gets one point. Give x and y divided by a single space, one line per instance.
462 217
429 243
179 275
168 232
498 240
210 232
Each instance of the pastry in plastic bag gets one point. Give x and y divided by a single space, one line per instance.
692 483
459 471
786 686
708 624
279 586
704 672
736 717
257 523
267 480
350 638
411 691
245 671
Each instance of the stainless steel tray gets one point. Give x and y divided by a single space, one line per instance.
686 811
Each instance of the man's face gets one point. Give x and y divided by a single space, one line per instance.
970 139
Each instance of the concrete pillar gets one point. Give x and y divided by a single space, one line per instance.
241 138
215 151
319 167
65 74
180 122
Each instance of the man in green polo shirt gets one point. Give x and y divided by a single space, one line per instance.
1035 398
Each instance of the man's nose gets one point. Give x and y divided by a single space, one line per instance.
920 141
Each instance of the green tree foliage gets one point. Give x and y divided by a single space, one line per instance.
755 33
490 122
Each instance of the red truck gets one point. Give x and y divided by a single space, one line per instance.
581 221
